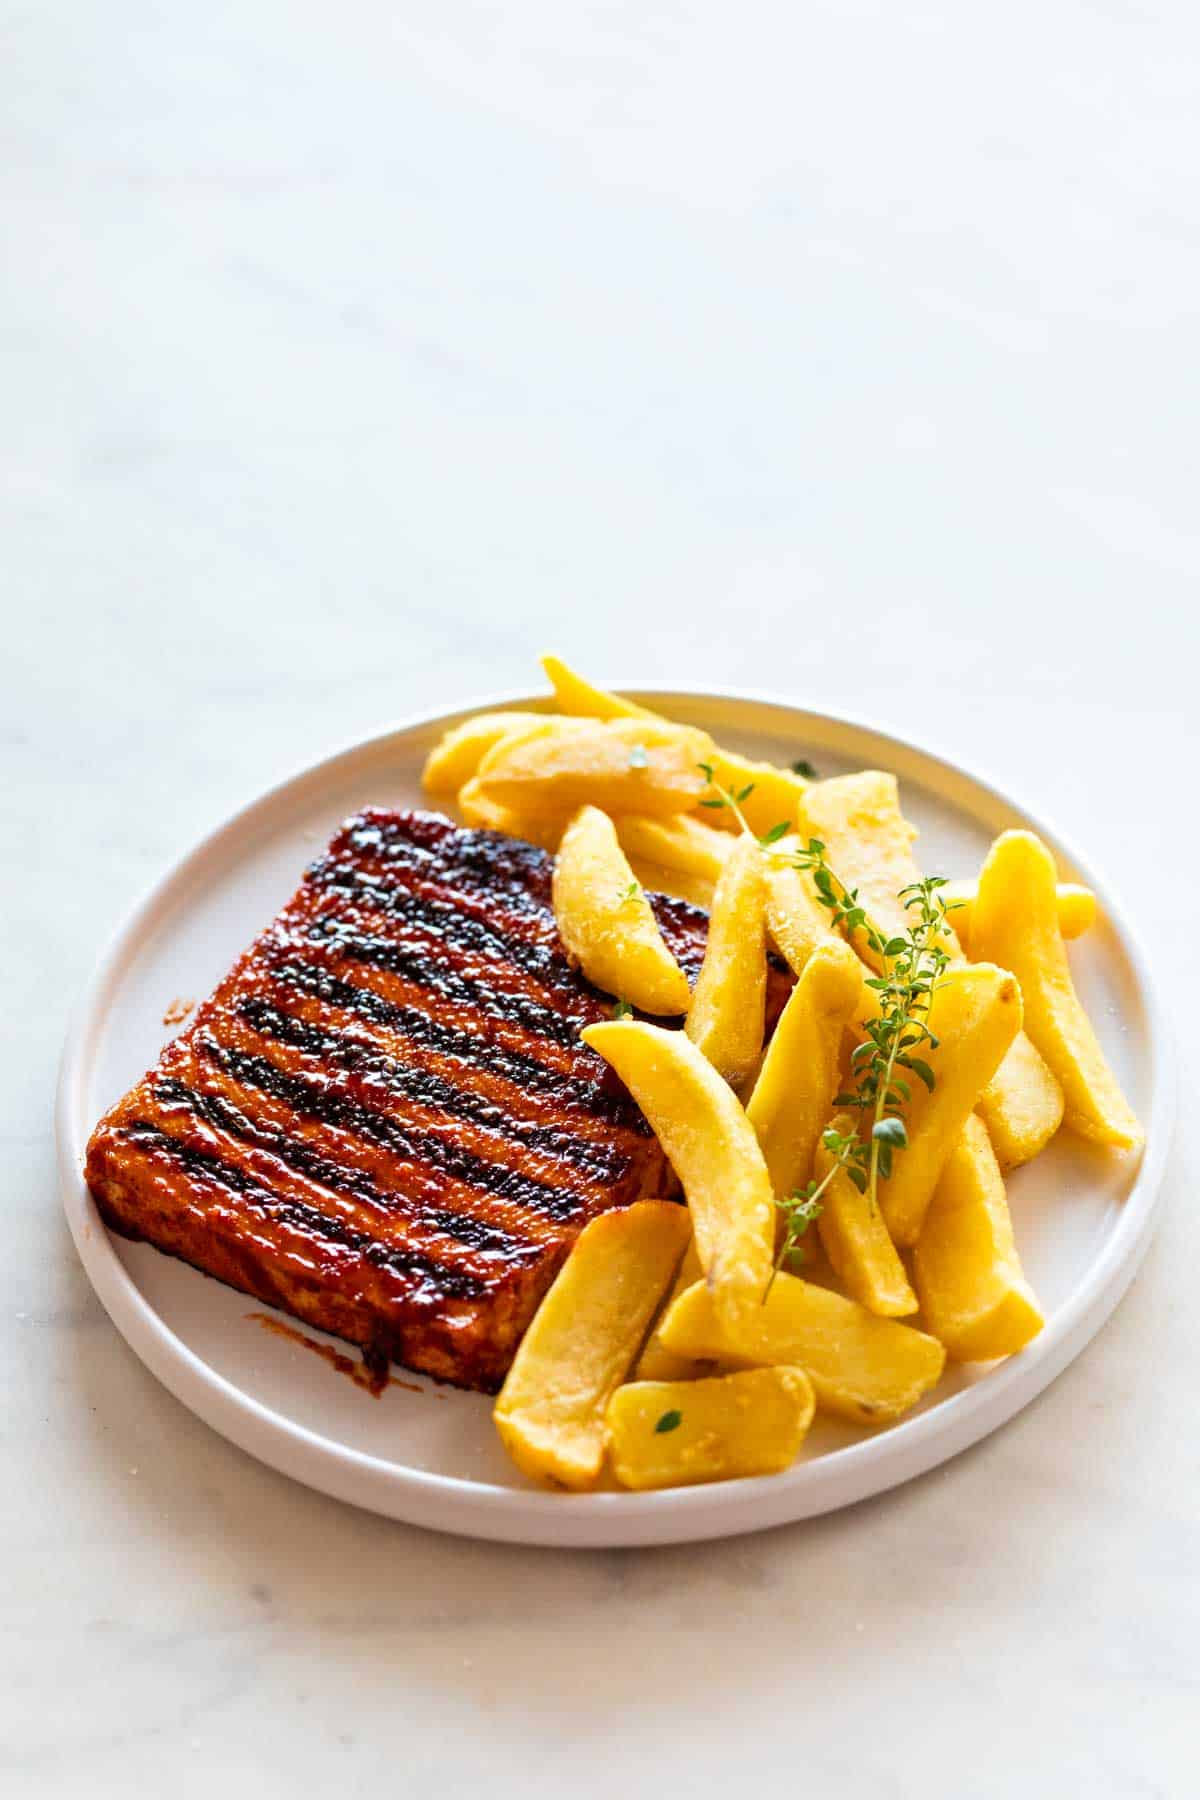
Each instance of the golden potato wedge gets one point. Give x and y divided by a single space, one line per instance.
619 765
456 756
726 1018
973 1293
683 843
605 920
868 845
1022 1105
800 1075
776 791
1015 920
975 1015
583 1339
862 1367
710 1145
580 698
1077 908
676 1433
796 921
656 1362
857 1243
543 829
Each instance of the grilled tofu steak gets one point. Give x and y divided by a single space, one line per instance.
383 1120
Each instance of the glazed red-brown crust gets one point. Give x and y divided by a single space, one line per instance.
383 1120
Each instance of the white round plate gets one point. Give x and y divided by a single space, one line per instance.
429 1454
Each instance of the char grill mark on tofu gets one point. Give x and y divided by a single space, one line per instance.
383 1120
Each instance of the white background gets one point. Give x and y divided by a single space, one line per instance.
352 355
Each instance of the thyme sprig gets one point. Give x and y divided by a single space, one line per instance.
731 797
911 966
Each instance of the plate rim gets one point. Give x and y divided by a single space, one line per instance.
486 1510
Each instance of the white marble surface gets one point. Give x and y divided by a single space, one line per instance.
349 357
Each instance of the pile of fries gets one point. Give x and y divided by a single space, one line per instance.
675 1345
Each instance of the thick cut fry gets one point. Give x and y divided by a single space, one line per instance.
776 794
619 765
1022 1105
683 843
675 1433
1076 908
975 1015
606 922
543 829
856 1241
862 1367
578 697
1016 922
656 1362
801 1073
868 845
974 1296
456 756
796 920
709 1143
583 1339
726 1017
